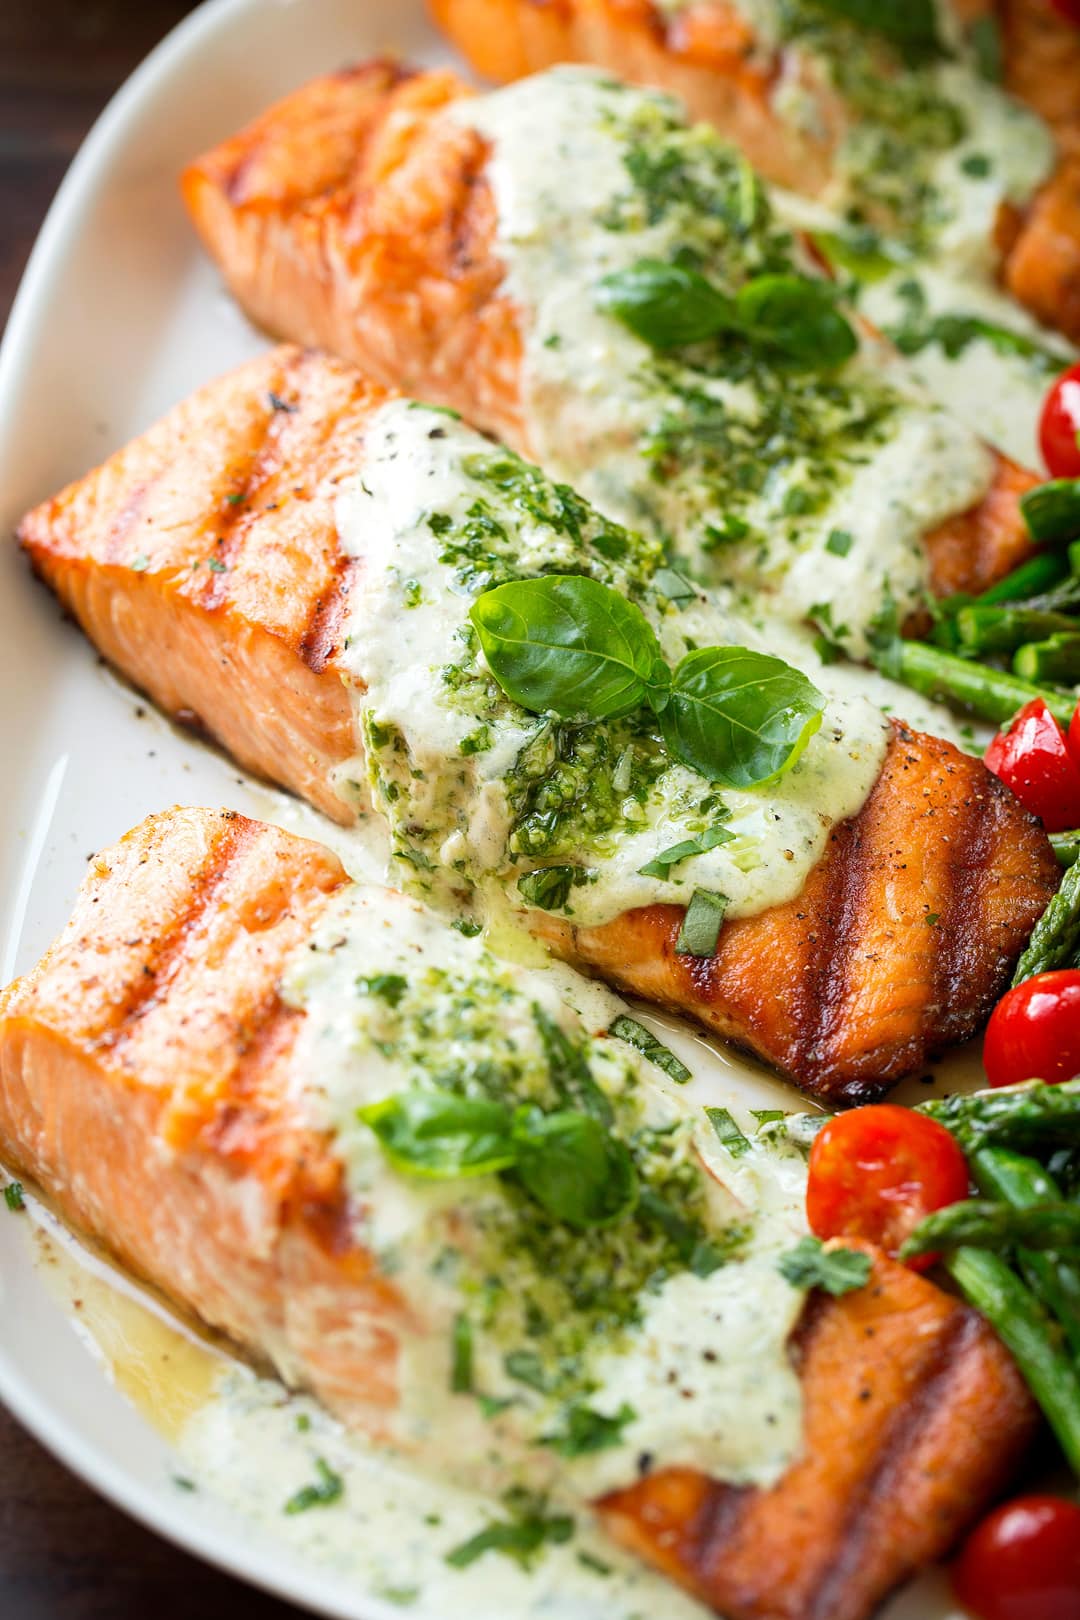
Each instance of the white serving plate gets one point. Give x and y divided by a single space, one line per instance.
119 316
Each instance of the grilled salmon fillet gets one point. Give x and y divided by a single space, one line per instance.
348 216
146 1086
204 562
710 57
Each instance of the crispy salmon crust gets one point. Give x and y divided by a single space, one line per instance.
708 55
203 561
145 1086
350 217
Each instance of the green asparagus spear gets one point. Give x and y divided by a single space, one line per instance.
1064 597
1031 1115
1039 573
988 1283
991 693
1055 659
993 629
983 1223
1056 936
1066 846
1022 1182
1052 511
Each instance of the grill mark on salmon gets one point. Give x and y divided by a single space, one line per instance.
845 989
703 56
366 259
914 1414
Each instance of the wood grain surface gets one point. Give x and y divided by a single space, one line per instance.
64 1553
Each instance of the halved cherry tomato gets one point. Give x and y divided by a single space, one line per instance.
1023 1562
1033 759
876 1172
1059 424
1069 9
1034 1031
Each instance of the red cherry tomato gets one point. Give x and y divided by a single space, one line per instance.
1069 9
1033 759
1073 739
874 1174
1059 424
1023 1562
1034 1031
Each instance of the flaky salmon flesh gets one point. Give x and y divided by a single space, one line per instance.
709 55
351 216
205 564
147 1085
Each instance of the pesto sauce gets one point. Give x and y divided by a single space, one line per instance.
664 1332
721 450
478 794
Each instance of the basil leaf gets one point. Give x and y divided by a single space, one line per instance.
580 1173
666 305
587 1431
838 1271
548 888
645 1042
798 316
527 1368
739 717
728 1132
519 1539
567 644
660 864
910 24
389 987
701 925
436 1133
1052 510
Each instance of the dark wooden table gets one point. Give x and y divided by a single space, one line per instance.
65 1554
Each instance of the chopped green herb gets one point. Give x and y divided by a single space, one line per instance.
728 1132
467 927
636 1035
586 1431
548 888
13 1196
389 987
660 865
461 1374
701 925
279 404
670 583
520 1538
837 1271
839 542
327 1489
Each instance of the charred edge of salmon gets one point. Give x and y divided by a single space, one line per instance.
914 1417
897 947
242 1218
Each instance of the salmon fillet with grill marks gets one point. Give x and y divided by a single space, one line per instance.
146 1086
350 217
204 562
709 56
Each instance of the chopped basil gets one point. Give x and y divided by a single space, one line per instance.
549 887
461 1367
520 1538
837 1271
839 542
327 1489
389 987
439 1134
527 1368
728 1133
586 1431
661 864
701 925
13 1196
636 1035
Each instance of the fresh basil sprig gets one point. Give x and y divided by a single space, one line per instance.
567 645
568 1161
670 305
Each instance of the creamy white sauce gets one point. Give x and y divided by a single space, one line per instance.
734 1405
558 172
396 656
